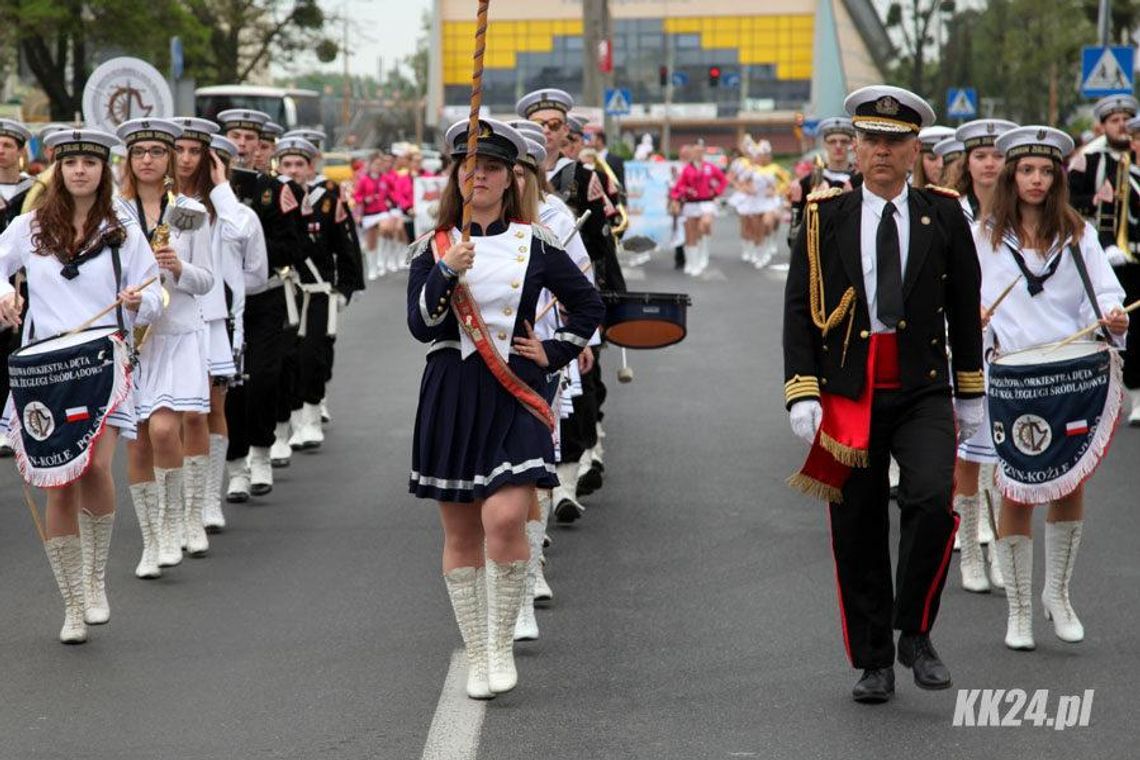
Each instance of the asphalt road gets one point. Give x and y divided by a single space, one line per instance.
694 612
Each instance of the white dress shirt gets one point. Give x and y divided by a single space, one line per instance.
872 214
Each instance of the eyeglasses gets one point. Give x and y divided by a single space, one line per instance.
552 124
156 152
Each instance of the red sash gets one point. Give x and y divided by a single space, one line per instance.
471 322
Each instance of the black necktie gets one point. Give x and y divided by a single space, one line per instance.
889 268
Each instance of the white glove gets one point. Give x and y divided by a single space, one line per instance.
1116 257
970 413
806 417
341 302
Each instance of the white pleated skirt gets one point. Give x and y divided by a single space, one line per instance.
174 374
219 352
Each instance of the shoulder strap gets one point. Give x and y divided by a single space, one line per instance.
117 265
1082 270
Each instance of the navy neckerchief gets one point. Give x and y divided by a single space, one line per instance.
142 215
1034 283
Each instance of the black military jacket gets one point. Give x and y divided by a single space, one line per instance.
1084 172
941 296
277 210
328 238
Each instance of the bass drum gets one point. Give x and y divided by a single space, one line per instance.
645 320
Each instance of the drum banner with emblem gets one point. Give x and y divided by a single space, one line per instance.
1052 415
63 390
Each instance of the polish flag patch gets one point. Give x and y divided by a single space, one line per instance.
77 414
1077 427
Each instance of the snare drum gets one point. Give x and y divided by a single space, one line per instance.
645 320
63 390
1052 414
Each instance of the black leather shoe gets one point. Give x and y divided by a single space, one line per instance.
916 652
875 687
590 481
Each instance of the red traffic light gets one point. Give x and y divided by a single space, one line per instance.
714 72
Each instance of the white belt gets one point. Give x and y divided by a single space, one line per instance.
307 291
290 280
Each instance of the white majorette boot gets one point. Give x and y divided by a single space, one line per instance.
260 471
1134 415
238 490
326 418
690 259
1015 553
972 561
66 557
281 452
194 495
145 498
526 627
1062 540
370 256
467 588
170 511
311 419
765 252
988 504
542 592
506 585
213 520
567 509
395 248
95 540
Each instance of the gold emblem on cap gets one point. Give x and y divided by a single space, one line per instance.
484 130
887 106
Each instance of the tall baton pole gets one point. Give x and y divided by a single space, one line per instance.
473 119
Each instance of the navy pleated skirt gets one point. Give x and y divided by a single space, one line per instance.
471 436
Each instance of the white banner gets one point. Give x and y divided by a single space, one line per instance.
426 196
647 185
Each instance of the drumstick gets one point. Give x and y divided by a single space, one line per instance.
109 309
570 236
1091 328
1008 289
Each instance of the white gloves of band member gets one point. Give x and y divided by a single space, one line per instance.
970 413
806 417
1116 256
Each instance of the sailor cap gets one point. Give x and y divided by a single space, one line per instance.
224 145
1106 107
271 130
883 109
15 130
55 126
1035 141
544 99
535 152
81 142
529 129
982 133
1133 125
577 123
949 149
928 137
242 118
194 128
495 140
295 146
835 125
141 130
315 136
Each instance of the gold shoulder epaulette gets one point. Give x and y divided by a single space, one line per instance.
945 191
824 195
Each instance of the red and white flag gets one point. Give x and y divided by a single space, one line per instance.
77 414
1077 427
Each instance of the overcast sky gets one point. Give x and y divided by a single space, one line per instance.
378 28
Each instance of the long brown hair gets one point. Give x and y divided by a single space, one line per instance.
1059 220
451 201
201 182
54 231
918 174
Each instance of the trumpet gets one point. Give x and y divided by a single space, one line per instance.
160 239
623 225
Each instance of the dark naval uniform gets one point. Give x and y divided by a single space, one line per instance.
583 188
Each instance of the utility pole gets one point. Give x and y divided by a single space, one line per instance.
345 115
1103 22
593 33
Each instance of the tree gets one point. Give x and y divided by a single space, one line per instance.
246 34
913 20
59 38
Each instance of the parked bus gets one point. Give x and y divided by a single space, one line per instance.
288 107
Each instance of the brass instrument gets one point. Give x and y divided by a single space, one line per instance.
1123 188
624 224
160 239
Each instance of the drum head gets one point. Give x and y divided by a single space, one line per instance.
1049 353
645 333
48 345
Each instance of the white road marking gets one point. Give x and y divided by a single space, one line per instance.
458 720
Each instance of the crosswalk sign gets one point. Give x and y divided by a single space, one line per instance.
1106 71
962 103
618 101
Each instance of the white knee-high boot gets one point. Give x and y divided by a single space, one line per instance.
526 626
542 592
170 511
467 589
987 489
1062 540
972 561
95 538
506 585
145 498
1015 553
372 256
194 494
66 557
212 517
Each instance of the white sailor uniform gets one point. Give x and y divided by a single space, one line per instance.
57 303
173 371
471 436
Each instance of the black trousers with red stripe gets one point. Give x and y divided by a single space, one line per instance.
919 430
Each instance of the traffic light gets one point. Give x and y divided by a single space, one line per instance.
663 75
714 76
